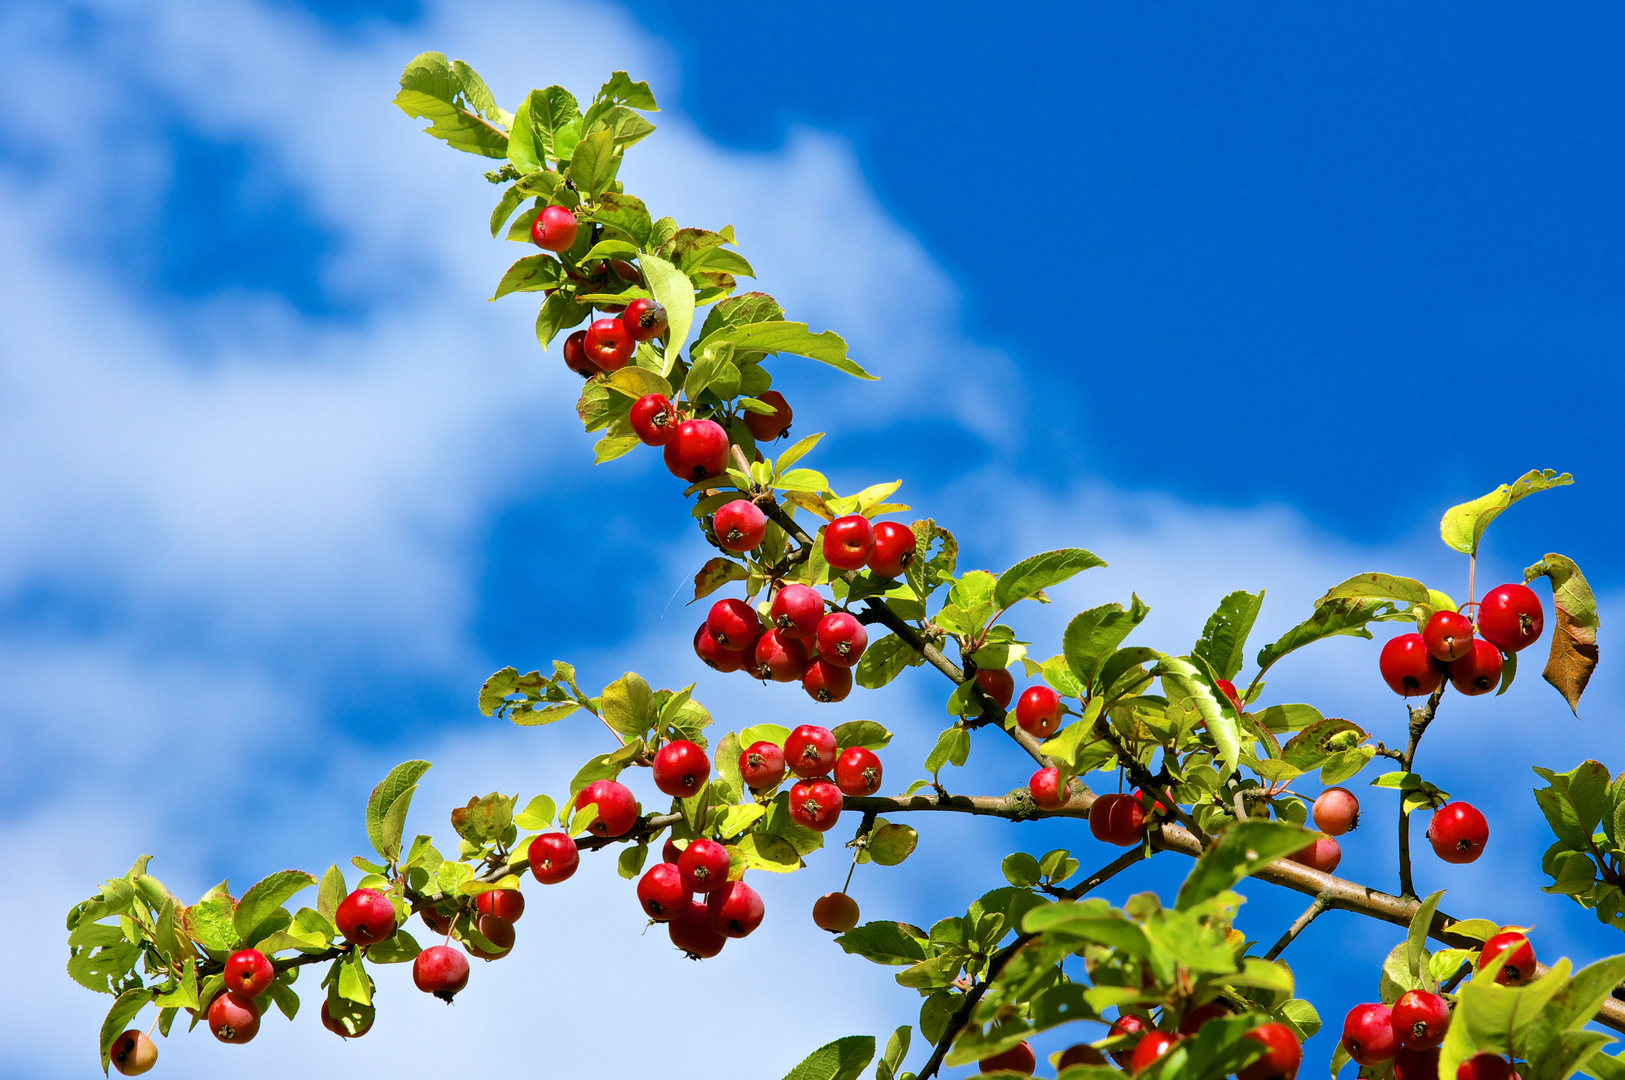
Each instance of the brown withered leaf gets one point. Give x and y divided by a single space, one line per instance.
1574 638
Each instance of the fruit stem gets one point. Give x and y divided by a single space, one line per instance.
1321 903
1472 572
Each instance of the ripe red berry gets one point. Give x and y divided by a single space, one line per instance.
692 932
1484 1067
506 904
576 358
662 894
1408 668
825 681
365 917
761 765
133 1053
848 542
553 857
765 427
617 807
894 549
1479 671
644 319
609 345
778 657
815 804
1282 1053
857 772
681 769
1510 617
1048 791
1368 1034
998 684
1019 1058
734 908
1080 1054
1151 805
739 525
1458 832
233 1017
1416 1064
1228 689
498 931
554 229
1520 965
810 750
653 419
1117 819
1337 811
703 865
697 450
1420 1019
367 1015
1448 635
437 920
670 852
1132 1026
249 972
796 611
840 639
440 970
1038 711
1152 1045
714 654
1195 1018
1323 855
835 912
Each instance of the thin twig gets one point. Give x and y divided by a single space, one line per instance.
1310 914
1420 719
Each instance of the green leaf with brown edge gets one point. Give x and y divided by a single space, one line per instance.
397 948
455 101
1242 849
779 336
1373 586
892 843
843 1059
129 1003
893 943
1462 527
1314 745
628 705
1574 639
530 274
1223 643
1345 616
635 382
266 898
1038 572
399 784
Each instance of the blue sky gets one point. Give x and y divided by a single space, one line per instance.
1233 300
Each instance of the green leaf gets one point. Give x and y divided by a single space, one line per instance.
537 814
455 101
1463 526
628 705
891 844
267 897
118 1019
953 746
1574 638
1416 939
593 163
843 1059
630 862
1242 849
1094 635
529 274
676 293
893 943
1378 587
353 983
1348 616
1181 682
789 337
399 784
1223 642
538 124
620 90
883 661
398 948
1021 869
1037 572
865 733
557 312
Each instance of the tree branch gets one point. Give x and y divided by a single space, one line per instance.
1420 719
1310 914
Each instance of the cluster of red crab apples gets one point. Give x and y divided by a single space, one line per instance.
1137 1044
1509 619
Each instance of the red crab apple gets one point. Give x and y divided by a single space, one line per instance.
653 419
1019 1058
739 525
1420 1019
761 765
662 894
1282 1054
894 549
440 970
703 865
576 358
1080 1054
1458 832
848 542
714 654
1510 617
499 932
644 319
1192 1021
779 658
1130 1025
1448 635
1228 689
840 639
734 908
681 769
1408 668
998 684
365 917
503 903
1416 1064
810 750
1152 1045
1337 811
697 450
617 807
1479 671
436 920
1323 855
670 852
554 229
692 932
133 1053
835 912
1484 1067
1117 819
796 611
826 682
553 857
765 427
1520 965
1038 711
365 1014
815 804
857 772
233 1017
1049 793
1368 1034
249 972
609 345
733 624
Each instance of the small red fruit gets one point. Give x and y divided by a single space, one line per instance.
644 319
1420 1019
1368 1034
815 804
133 1053
233 1017
653 419
670 852
835 912
1323 855
703 865
662 894
810 750
249 973
617 807
1152 1045
691 931
761 765
1117 819
553 857
1520 966
848 542
1038 712
840 639
894 549
506 904
367 1015
609 345
1479 671
697 450
1448 635
1416 1064
1337 811
735 909
681 769
778 657
1408 668
1282 1054
739 525
1458 832
998 684
1484 1067
1019 1058
1048 791
826 682
554 229
435 920
1193 1020
857 772
365 917
714 654
1228 689
1080 1054
796 611
576 358
1132 1026
1510 617
499 932
440 970
765 427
